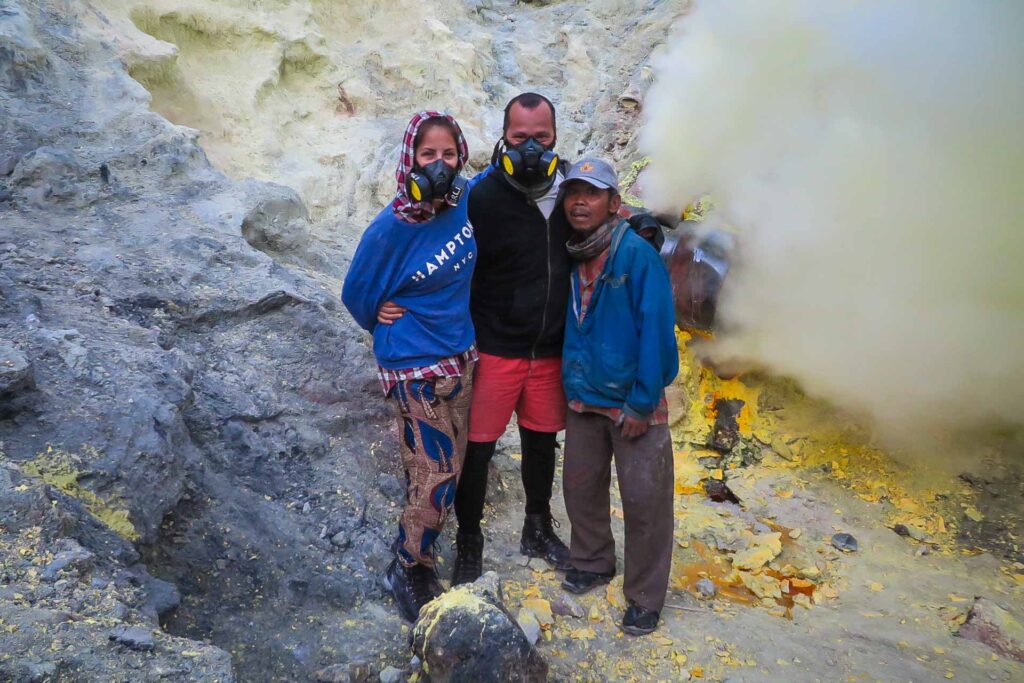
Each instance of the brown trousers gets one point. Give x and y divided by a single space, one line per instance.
645 473
433 423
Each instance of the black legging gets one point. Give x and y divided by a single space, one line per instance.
538 470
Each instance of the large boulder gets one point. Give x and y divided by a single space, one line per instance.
47 174
277 220
467 634
274 220
16 373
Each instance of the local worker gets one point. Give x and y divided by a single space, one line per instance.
619 355
418 254
519 299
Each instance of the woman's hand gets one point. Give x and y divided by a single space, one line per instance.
632 427
389 312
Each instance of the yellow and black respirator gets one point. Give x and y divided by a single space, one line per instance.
436 180
528 161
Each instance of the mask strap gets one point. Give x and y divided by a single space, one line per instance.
499 147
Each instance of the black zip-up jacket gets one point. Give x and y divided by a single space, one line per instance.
520 286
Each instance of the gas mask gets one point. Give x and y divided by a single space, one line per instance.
436 180
529 162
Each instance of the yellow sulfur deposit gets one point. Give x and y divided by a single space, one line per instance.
803 433
761 550
785 437
56 468
541 611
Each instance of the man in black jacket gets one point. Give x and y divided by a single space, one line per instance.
518 303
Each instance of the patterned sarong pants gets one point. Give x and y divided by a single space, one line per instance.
432 429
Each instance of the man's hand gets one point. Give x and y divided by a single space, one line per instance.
389 312
632 427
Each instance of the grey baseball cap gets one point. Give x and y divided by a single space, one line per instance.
597 172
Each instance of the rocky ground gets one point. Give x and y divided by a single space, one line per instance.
765 588
198 478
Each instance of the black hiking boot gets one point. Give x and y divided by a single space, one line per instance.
638 621
434 584
539 540
411 587
469 558
580 581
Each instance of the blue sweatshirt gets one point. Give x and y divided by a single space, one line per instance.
425 267
624 353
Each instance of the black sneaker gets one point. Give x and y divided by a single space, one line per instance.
411 587
539 540
580 581
469 558
638 621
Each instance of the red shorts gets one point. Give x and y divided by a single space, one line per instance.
531 388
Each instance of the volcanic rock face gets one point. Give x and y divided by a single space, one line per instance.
148 319
156 369
315 95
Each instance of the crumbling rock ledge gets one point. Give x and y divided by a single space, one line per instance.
75 604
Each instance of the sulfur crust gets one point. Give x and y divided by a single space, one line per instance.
56 468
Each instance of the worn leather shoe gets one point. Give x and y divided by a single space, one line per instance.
469 558
638 621
539 540
580 581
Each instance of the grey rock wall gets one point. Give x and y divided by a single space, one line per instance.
158 374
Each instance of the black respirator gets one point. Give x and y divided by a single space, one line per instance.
528 162
436 180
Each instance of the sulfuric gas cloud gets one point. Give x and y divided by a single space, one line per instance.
870 155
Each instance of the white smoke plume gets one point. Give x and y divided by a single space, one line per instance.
871 156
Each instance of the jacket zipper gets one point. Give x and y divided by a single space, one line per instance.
547 298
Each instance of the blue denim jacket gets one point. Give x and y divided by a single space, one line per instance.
623 354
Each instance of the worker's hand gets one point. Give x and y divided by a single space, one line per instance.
632 427
389 312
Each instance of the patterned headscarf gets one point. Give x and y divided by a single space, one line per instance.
404 207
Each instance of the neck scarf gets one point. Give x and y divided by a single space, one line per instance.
403 205
585 246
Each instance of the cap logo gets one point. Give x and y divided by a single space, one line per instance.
587 167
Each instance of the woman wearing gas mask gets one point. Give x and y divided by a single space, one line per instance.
418 256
